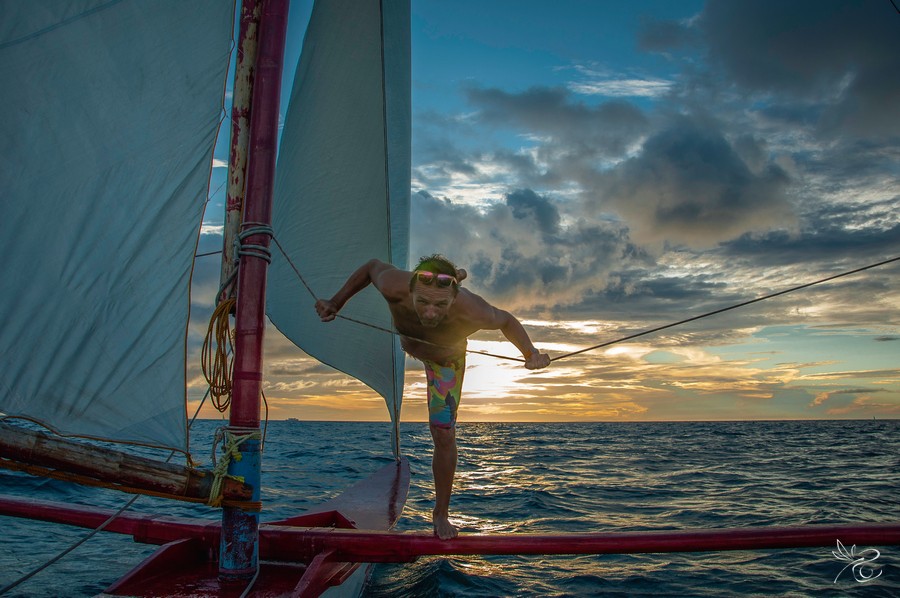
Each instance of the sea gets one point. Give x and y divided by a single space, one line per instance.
547 478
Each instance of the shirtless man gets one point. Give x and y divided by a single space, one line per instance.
434 317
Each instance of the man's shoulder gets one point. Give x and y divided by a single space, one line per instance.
391 281
474 307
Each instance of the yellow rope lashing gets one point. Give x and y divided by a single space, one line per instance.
230 451
217 362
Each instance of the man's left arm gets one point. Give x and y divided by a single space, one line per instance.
513 330
487 317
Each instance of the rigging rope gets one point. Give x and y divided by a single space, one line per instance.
614 341
724 309
78 543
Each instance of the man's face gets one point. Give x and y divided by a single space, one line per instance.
432 303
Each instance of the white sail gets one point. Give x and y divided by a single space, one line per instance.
342 186
110 114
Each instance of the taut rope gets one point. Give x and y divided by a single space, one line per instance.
607 343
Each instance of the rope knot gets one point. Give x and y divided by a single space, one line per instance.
230 451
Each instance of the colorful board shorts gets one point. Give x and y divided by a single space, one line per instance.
444 390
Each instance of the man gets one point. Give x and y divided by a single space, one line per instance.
434 317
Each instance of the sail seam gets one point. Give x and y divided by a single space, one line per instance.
63 23
395 411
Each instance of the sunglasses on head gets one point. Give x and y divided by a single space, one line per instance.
443 280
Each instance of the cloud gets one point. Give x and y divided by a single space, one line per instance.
689 186
674 178
579 129
835 63
519 253
823 397
864 407
840 246
601 82
526 204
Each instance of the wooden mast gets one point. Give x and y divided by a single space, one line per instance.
239 549
242 93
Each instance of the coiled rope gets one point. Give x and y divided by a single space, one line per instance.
216 355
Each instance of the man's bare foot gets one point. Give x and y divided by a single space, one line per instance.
443 529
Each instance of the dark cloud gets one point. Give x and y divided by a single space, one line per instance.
585 131
828 244
742 169
525 203
830 64
519 253
842 57
689 186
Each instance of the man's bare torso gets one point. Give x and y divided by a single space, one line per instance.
446 341
467 314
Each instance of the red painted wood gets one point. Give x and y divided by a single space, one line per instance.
250 320
294 544
147 529
183 565
352 545
196 576
239 550
322 573
169 561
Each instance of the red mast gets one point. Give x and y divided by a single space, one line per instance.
239 552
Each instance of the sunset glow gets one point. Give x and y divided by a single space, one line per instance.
604 169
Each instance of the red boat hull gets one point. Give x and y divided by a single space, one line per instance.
186 564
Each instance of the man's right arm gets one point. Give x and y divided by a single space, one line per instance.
368 273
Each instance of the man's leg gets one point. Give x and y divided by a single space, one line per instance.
443 466
444 388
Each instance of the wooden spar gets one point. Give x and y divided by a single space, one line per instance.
302 544
239 550
41 454
240 135
375 547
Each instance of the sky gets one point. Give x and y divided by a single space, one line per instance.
602 168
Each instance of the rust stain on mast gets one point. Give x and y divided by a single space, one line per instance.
240 138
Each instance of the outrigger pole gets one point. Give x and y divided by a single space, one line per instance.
239 546
294 544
